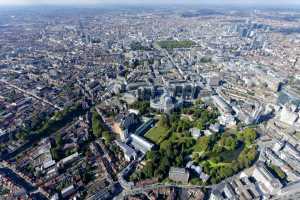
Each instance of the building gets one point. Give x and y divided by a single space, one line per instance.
290 189
130 121
129 153
164 104
144 127
278 146
4 136
229 192
216 195
221 105
245 188
68 191
179 175
214 81
227 120
273 158
268 183
70 158
140 144
290 149
195 132
198 170
215 128
145 93
184 90
288 116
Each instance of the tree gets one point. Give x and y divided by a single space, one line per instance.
164 121
175 117
135 176
148 170
58 140
228 141
153 156
55 154
107 137
226 171
184 125
247 157
202 144
179 160
277 172
21 136
217 148
198 102
206 167
164 164
200 125
248 136
142 106
97 125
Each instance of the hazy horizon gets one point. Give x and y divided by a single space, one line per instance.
147 2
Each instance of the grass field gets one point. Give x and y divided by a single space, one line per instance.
215 165
157 134
297 135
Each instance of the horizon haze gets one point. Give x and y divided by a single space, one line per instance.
147 2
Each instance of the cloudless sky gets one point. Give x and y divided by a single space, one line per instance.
72 2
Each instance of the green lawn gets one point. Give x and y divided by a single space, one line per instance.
215 165
172 44
228 156
297 135
157 134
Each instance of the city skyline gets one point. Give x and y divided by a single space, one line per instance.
130 2
149 99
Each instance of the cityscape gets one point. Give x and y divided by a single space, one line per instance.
145 102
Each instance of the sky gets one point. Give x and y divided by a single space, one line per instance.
91 2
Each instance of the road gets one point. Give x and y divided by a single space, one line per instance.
156 186
19 179
31 94
164 51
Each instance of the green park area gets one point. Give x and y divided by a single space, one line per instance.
157 134
99 129
221 155
51 125
173 44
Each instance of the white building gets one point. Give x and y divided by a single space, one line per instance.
129 152
140 143
195 132
163 104
227 120
288 116
68 191
267 182
278 146
221 104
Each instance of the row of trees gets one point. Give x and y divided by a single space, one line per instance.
99 129
277 172
56 122
142 106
